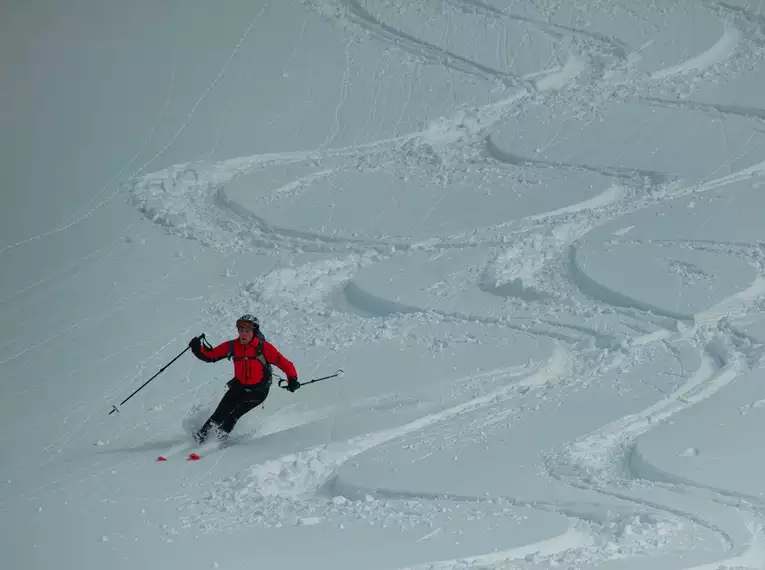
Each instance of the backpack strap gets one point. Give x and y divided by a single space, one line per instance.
267 372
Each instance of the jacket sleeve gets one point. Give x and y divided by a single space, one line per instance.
276 358
218 353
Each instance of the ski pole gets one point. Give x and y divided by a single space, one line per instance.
115 409
338 373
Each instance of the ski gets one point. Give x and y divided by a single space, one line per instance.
176 449
192 451
206 449
192 455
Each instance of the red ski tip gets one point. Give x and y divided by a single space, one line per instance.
160 458
194 457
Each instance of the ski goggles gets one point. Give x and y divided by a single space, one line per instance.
245 325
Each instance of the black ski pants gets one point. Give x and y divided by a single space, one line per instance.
236 402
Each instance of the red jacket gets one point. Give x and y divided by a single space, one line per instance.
247 368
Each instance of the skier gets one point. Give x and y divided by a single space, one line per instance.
252 356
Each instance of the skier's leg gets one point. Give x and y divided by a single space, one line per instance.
220 415
244 405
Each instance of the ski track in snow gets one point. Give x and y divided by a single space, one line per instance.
596 461
190 200
571 539
721 51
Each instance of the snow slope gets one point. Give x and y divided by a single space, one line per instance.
530 234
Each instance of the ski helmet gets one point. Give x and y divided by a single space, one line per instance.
248 322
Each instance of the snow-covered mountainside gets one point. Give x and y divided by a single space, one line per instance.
530 234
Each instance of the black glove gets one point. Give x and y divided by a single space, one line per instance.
292 383
195 344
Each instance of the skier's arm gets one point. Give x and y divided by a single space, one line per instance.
276 358
206 355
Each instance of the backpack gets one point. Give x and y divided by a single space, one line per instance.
267 369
